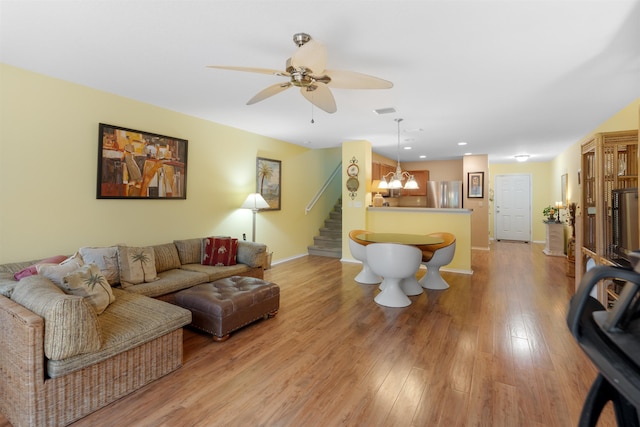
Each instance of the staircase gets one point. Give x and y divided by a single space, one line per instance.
329 242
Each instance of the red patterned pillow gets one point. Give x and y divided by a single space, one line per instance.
219 251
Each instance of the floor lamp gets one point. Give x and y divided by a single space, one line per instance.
255 202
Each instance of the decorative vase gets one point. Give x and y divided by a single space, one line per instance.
378 201
552 218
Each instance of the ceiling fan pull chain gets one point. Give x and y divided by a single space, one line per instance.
312 121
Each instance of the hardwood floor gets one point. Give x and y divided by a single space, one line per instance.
493 350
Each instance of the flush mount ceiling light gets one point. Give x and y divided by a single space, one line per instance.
395 178
522 157
387 110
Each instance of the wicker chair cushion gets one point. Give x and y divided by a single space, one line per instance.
71 324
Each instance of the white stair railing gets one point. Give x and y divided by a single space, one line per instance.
322 190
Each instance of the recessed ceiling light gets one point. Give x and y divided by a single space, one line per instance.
462 143
468 154
423 156
387 110
407 148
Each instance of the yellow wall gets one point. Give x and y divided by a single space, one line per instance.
543 191
48 172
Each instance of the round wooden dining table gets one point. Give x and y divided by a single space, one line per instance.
409 285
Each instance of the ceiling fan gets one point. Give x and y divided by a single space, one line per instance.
305 70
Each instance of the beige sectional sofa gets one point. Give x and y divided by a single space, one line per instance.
60 360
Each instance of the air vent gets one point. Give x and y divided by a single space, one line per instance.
388 110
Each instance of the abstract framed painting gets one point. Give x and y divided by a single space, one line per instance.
269 181
133 164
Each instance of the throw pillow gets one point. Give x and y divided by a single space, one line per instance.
189 250
220 251
55 272
106 258
88 282
33 269
137 265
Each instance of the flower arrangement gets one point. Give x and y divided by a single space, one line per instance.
550 212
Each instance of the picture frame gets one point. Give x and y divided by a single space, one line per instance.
563 189
475 185
269 182
134 164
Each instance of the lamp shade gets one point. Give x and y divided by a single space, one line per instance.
411 184
255 201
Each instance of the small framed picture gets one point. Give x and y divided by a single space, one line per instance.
475 185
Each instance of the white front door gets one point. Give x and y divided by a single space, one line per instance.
512 207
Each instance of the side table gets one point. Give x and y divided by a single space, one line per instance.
554 244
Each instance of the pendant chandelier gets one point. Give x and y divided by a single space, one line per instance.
396 178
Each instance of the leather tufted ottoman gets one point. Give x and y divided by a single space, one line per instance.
225 305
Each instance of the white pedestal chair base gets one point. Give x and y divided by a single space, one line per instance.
394 262
366 276
433 279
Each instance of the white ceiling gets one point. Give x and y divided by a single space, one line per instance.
508 77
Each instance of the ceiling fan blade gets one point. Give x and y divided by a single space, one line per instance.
341 79
269 91
312 55
320 96
252 70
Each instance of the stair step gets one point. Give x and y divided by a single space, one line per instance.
325 252
327 242
333 223
331 232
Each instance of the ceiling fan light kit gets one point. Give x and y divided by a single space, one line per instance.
306 70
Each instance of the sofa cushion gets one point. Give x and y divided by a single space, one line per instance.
189 250
130 321
137 265
167 257
251 253
169 281
215 272
32 269
71 324
219 250
88 282
56 272
106 258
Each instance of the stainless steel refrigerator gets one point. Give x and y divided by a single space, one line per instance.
444 194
